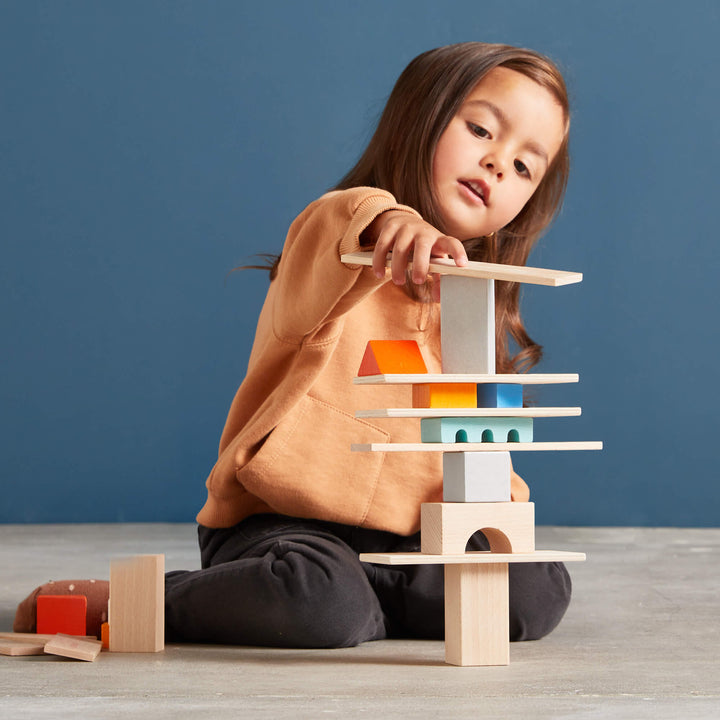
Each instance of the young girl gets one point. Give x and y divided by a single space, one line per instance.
469 160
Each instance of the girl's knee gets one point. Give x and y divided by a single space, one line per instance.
539 596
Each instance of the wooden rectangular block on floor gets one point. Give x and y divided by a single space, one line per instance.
476 429
445 528
467 325
444 395
73 647
137 604
61 614
477 616
476 477
22 647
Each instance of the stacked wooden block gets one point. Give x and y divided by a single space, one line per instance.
474 417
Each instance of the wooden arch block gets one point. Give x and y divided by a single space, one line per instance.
387 357
445 528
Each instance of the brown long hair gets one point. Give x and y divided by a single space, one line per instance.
399 158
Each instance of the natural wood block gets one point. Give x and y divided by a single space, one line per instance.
423 412
476 477
392 356
447 527
74 647
476 429
466 558
477 618
498 271
444 395
22 647
35 637
467 325
137 604
61 614
414 378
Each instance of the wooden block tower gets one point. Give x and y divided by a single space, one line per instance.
475 417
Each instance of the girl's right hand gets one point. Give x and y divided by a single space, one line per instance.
409 238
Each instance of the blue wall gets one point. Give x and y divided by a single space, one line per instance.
147 148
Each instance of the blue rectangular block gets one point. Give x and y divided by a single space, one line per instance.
500 395
476 429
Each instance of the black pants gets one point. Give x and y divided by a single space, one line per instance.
276 581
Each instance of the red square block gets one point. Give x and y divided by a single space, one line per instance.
61 614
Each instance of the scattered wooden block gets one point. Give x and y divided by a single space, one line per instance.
499 395
467 325
447 527
477 615
476 477
73 647
477 429
444 395
137 604
392 356
61 614
22 647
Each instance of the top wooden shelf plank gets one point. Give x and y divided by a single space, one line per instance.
471 558
427 378
495 271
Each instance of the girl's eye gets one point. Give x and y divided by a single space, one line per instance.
522 168
479 131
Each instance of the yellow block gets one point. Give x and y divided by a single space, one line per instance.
445 395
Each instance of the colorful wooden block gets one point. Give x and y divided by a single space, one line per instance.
75 648
444 395
476 477
467 325
476 430
383 357
137 604
499 395
61 614
445 528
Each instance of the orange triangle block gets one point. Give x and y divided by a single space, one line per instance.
388 357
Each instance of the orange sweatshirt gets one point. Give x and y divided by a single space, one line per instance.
286 443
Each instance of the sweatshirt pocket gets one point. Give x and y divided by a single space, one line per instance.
305 467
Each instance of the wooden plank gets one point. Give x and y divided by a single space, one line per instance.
474 269
137 604
477 615
544 412
418 558
39 637
517 379
21 647
476 447
74 647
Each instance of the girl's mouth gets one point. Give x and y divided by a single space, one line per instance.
477 188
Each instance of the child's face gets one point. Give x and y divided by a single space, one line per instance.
494 153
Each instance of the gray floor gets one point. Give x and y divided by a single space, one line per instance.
641 640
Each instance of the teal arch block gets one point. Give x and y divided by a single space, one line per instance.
476 429
499 395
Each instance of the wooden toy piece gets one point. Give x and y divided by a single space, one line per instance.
22 647
474 269
444 395
105 635
445 528
478 429
137 604
61 614
467 325
419 412
391 356
411 379
476 477
476 447
35 637
499 395
73 647
477 615
467 558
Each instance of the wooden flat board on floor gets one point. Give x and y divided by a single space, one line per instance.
21 647
73 647
497 271
543 412
476 447
417 558
510 379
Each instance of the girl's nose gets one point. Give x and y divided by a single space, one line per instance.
494 165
